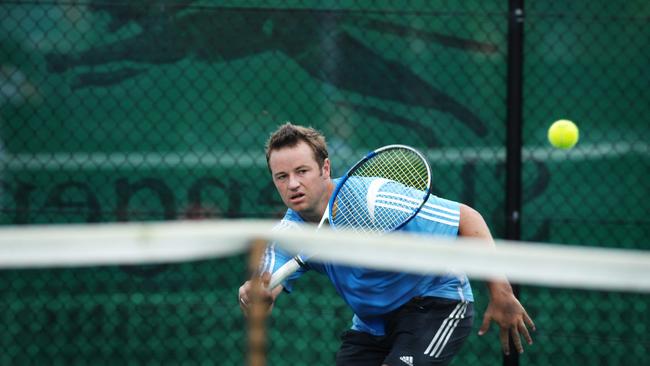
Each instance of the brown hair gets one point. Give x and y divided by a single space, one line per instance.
289 135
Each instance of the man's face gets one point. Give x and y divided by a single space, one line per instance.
303 186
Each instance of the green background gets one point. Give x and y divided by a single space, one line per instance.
159 110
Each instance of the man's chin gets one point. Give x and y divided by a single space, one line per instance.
301 208
298 208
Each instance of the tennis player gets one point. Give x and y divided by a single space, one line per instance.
399 318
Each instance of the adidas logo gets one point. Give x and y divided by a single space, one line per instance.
407 360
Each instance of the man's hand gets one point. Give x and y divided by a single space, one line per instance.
505 310
266 296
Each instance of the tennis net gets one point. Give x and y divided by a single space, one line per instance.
167 293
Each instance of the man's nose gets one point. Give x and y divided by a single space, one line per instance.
294 182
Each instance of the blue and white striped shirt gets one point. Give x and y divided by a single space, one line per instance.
372 293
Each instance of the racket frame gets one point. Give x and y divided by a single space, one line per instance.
370 155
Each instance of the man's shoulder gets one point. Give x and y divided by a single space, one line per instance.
434 200
438 215
291 220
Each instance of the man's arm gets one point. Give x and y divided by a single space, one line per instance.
273 259
503 308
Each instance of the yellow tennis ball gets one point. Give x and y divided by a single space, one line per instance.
563 134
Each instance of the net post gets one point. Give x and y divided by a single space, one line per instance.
258 309
514 136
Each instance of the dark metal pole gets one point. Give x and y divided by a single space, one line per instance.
514 136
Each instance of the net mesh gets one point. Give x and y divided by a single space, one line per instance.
185 309
176 313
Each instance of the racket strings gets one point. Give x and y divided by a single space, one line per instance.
400 165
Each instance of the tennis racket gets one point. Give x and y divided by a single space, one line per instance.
380 193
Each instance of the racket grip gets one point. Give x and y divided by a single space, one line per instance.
283 272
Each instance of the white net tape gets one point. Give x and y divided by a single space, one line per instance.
141 243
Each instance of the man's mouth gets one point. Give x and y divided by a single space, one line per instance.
296 197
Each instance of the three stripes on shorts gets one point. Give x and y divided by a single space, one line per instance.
446 329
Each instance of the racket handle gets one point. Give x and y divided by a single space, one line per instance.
283 272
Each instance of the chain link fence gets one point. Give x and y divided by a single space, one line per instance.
159 110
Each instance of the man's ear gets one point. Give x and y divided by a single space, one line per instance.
326 168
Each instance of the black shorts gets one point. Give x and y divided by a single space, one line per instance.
425 331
